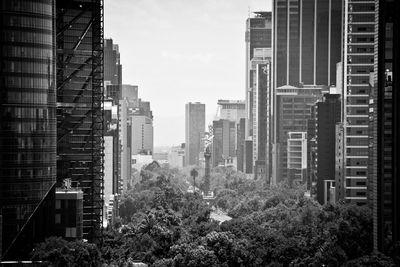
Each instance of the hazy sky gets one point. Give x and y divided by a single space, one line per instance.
178 51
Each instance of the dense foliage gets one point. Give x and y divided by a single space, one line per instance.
162 225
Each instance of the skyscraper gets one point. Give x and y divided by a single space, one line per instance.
28 125
240 140
258 51
195 124
307 45
80 105
328 114
307 38
262 123
127 101
223 147
112 64
142 129
232 110
258 35
384 172
358 60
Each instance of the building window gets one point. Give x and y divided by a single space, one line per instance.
58 218
70 232
58 204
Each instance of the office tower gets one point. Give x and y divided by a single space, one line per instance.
358 63
124 144
112 64
307 41
385 124
297 157
240 139
328 115
80 105
231 110
223 146
195 124
28 125
293 106
262 112
258 51
142 129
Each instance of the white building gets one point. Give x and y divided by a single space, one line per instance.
297 156
176 157
108 168
142 134
231 110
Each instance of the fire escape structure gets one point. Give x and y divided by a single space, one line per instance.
80 115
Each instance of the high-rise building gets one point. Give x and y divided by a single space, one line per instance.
307 41
358 61
384 172
80 95
195 124
293 107
262 112
328 115
240 139
223 147
232 110
258 51
108 168
28 125
142 130
112 64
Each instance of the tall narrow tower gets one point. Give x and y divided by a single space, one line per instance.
195 123
358 60
80 105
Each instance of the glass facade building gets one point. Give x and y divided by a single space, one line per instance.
28 123
307 41
80 97
258 51
384 147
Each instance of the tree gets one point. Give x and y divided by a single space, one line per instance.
59 252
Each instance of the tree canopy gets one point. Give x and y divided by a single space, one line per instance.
163 225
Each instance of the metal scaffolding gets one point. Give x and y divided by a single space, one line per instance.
80 115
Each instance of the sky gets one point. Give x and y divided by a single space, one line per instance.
180 51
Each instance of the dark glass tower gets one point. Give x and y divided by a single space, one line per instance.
328 114
307 41
80 96
384 172
112 65
28 124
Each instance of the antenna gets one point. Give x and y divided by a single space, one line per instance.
248 11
